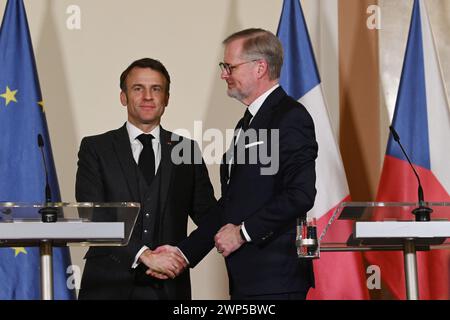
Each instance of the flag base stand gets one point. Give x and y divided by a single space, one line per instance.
422 213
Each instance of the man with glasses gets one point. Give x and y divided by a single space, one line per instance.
256 225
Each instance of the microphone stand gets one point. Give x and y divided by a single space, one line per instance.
422 212
48 214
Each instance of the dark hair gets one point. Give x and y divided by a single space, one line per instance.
153 64
260 44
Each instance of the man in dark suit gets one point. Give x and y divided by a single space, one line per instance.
135 163
268 179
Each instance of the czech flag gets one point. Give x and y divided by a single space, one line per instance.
422 120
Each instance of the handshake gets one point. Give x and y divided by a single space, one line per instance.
164 262
168 261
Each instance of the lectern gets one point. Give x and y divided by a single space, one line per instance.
86 224
365 226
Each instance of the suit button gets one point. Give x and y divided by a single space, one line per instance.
147 215
145 231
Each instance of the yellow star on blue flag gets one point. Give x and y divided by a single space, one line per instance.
41 104
18 250
9 95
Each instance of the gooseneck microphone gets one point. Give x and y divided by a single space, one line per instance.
49 214
422 213
48 193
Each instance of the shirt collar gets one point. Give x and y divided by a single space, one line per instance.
134 132
256 105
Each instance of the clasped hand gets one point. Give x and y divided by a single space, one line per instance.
164 262
228 239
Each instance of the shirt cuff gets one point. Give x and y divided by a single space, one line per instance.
136 258
182 254
244 231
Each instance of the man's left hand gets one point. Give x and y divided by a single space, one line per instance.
228 239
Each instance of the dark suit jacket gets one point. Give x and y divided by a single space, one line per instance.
107 172
268 204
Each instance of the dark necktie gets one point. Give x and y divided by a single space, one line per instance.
147 158
244 127
246 120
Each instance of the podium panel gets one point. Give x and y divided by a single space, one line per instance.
65 224
364 226
389 226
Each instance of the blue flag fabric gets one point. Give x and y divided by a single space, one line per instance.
410 116
299 72
22 118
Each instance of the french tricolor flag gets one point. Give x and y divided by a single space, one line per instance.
338 275
422 120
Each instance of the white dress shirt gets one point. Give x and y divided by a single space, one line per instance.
136 145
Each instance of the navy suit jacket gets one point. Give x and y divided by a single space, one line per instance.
269 204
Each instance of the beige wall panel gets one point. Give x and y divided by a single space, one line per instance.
359 98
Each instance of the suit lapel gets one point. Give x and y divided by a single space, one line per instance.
123 151
260 121
165 166
264 115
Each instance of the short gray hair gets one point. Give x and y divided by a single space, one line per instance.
261 44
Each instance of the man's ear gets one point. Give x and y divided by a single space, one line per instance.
167 100
123 98
263 68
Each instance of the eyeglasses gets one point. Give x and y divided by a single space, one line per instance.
228 68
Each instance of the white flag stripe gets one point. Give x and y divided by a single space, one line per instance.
331 183
437 105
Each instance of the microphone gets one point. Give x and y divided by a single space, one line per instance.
422 213
48 193
49 214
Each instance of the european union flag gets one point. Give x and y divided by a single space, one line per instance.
22 177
